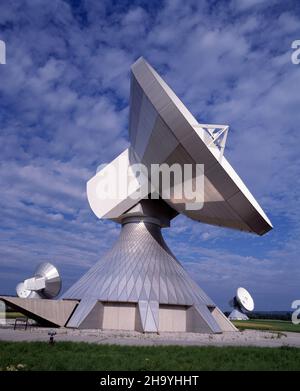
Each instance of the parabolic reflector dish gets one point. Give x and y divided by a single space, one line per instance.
241 303
46 283
162 130
50 274
244 299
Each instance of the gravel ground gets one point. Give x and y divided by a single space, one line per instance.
240 338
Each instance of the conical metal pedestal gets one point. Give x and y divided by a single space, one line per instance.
236 314
140 285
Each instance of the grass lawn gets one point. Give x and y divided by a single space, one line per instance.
83 356
267 324
13 315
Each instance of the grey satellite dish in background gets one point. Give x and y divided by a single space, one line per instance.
242 302
45 284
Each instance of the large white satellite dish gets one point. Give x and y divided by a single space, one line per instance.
241 303
162 130
45 284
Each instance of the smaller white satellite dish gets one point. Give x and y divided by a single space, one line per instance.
45 284
245 299
241 303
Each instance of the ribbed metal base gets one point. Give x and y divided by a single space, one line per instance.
236 314
141 269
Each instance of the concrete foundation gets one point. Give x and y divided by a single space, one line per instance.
171 318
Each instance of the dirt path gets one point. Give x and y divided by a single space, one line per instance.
244 338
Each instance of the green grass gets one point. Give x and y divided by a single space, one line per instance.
267 324
83 356
12 315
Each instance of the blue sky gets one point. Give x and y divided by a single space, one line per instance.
64 110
